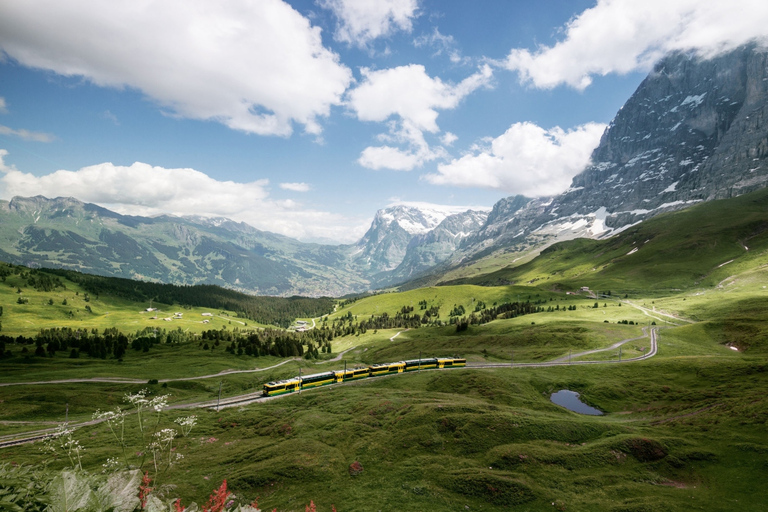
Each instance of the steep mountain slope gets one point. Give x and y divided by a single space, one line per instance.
700 246
695 130
394 230
426 250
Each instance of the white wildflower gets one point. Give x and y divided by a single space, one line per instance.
186 424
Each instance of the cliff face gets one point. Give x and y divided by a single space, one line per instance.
695 130
426 250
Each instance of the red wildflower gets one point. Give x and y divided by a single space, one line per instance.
217 499
178 506
144 489
311 507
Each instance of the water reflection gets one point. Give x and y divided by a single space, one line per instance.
570 400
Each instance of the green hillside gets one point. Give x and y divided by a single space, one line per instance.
683 430
696 247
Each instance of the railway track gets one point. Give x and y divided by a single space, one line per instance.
257 397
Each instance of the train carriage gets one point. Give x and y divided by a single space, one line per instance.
420 364
281 387
353 374
325 378
450 362
317 379
387 368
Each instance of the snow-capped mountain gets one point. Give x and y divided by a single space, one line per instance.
694 130
384 245
426 250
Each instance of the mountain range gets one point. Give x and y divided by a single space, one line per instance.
693 131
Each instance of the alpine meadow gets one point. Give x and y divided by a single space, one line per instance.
403 255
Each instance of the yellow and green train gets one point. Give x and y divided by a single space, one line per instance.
322 379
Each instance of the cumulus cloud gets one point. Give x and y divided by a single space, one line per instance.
258 67
409 92
620 36
526 159
413 98
449 138
27 135
361 21
295 187
143 189
413 152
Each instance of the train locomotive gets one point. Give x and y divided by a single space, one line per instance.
323 379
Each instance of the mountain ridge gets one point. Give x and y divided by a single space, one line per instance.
693 131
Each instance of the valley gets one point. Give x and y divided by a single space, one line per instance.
682 430
643 287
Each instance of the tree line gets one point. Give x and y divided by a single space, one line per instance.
277 311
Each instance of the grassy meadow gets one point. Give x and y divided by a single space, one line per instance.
684 430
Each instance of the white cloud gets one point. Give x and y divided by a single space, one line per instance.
142 189
526 159
109 116
409 92
361 21
3 107
27 135
295 187
620 36
449 138
417 150
257 67
414 97
441 44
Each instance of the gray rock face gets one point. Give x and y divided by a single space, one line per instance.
695 130
691 132
384 246
434 247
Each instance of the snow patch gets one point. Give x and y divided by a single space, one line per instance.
671 188
693 101
633 251
598 226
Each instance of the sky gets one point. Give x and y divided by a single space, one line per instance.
304 117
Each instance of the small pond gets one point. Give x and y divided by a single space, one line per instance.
570 400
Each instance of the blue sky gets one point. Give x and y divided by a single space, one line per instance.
305 117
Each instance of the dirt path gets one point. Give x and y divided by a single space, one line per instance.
398 334
338 357
648 312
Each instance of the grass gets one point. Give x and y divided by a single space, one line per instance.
683 431
38 313
673 439
693 248
444 297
